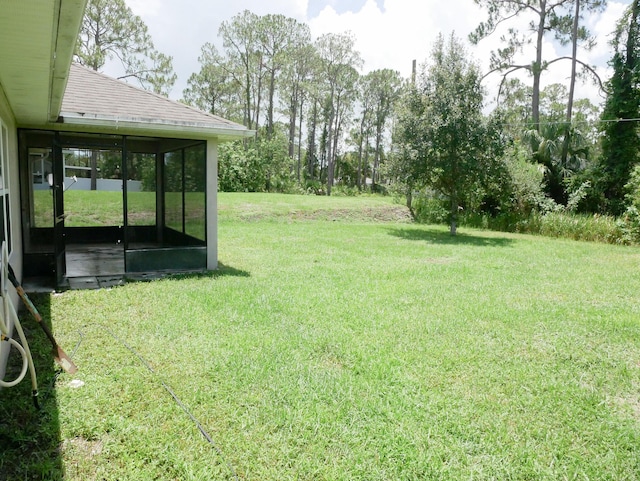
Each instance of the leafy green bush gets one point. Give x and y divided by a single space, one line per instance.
258 166
314 187
524 184
503 221
429 209
629 226
238 169
629 222
345 191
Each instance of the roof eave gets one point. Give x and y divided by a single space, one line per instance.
154 126
67 23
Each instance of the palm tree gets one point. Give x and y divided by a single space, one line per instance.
546 147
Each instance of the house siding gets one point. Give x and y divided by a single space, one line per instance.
15 257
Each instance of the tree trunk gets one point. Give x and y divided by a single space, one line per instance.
256 121
272 88
311 147
300 138
330 152
376 160
293 106
360 146
537 67
330 158
248 119
454 216
572 86
367 148
336 139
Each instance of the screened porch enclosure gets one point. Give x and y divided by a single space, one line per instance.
122 204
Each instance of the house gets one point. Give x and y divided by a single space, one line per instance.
75 143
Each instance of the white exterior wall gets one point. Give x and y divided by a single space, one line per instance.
15 256
212 204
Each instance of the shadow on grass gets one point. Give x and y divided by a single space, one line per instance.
30 439
221 271
437 236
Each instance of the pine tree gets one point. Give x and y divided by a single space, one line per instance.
621 144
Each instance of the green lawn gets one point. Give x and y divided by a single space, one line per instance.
333 347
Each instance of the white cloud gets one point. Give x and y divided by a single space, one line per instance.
391 37
405 31
145 8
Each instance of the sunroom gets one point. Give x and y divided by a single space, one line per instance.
124 183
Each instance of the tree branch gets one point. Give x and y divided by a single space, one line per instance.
137 74
503 67
495 26
587 67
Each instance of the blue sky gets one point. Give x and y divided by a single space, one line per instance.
389 33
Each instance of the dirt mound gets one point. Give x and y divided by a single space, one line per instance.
368 214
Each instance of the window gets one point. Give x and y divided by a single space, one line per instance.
185 187
5 215
41 165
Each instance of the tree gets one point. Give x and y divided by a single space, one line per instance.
294 90
361 136
244 62
212 88
550 16
621 144
278 38
548 142
339 62
111 30
546 145
384 86
515 105
449 144
569 31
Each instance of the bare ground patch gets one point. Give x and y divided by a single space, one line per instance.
88 448
390 214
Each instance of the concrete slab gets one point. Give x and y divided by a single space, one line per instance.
84 283
39 285
111 281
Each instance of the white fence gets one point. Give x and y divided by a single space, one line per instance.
108 185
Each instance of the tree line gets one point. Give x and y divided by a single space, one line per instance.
269 68
322 125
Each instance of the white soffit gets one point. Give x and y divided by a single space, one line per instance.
37 38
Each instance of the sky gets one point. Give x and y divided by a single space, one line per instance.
389 33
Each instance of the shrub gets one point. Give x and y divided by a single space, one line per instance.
345 191
314 187
259 166
428 209
629 222
629 226
525 183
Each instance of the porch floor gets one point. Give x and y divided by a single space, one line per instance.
93 266
94 260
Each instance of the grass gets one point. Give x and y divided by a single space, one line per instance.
585 227
333 347
102 208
